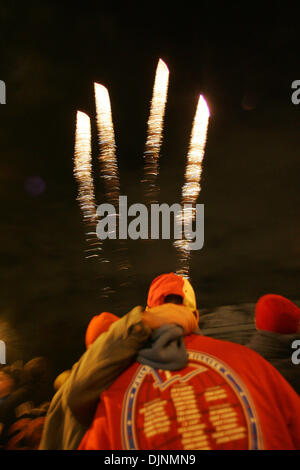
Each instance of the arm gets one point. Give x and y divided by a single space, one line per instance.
114 351
111 353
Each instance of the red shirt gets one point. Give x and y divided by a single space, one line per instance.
228 397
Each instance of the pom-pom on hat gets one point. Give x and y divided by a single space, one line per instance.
99 324
171 283
277 314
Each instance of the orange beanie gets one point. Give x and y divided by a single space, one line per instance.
277 314
99 324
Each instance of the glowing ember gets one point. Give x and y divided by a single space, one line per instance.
155 130
107 156
191 187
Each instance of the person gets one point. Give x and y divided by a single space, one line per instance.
9 379
98 367
277 322
7 384
112 345
225 396
37 378
26 431
28 383
25 434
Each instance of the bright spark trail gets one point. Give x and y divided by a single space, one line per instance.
155 131
83 175
106 137
191 187
110 175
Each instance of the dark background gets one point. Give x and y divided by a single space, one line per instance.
243 57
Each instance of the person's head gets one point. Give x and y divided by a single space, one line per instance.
171 288
61 379
7 383
277 314
37 369
99 324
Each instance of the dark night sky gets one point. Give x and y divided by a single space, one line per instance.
242 58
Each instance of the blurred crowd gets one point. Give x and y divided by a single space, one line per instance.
156 336
25 394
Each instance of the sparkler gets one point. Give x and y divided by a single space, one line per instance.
109 171
86 196
109 167
155 130
83 175
106 136
192 187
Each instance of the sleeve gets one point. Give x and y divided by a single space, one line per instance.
290 406
103 362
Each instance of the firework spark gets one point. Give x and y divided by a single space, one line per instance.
86 197
155 130
109 172
106 136
192 187
83 167
83 175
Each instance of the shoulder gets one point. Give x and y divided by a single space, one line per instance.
231 353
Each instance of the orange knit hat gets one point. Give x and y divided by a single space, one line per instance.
99 324
277 314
